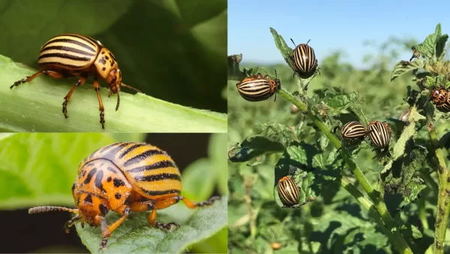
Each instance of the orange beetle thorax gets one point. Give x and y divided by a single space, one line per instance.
108 69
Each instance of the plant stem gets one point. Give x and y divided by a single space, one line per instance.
443 205
395 236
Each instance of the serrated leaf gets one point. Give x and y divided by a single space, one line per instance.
282 46
428 47
440 45
407 133
404 67
135 236
254 146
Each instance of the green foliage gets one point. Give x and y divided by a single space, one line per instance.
31 161
135 236
389 200
36 106
170 49
213 168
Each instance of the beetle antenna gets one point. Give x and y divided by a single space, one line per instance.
276 74
45 209
293 42
308 41
130 87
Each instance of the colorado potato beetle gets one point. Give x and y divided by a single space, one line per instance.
74 55
124 178
353 130
304 60
258 87
379 133
288 191
441 99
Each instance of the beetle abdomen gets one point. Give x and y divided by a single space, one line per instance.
69 52
150 170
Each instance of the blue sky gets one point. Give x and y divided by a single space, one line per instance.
331 25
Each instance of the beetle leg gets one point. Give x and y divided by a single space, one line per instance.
80 82
107 230
163 226
52 74
70 223
193 205
96 85
118 100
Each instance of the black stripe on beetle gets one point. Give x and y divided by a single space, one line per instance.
156 193
98 181
157 165
158 177
379 133
288 191
258 87
138 158
129 149
305 61
70 41
353 130
90 175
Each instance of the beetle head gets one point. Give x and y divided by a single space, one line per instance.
91 209
114 80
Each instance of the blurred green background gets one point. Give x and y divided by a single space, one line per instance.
170 49
39 169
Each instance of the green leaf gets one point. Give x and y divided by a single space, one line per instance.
42 20
253 147
282 46
217 151
31 161
212 33
434 44
36 106
135 236
404 67
407 134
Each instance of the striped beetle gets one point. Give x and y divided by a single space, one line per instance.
379 133
76 55
124 177
353 130
288 191
441 99
304 59
258 87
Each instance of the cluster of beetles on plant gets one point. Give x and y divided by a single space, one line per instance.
260 87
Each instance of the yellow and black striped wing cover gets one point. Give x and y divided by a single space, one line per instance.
353 129
69 52
150 170
380 133
305 60
255 89
288 191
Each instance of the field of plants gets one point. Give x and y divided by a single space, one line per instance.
354 198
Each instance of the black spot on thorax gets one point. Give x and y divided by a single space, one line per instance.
118 182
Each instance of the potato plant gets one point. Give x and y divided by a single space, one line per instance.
356 198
